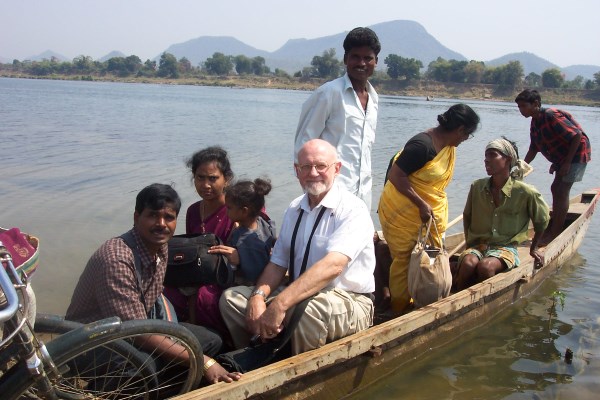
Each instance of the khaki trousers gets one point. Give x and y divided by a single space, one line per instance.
330 315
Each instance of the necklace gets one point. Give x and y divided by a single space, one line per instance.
202 226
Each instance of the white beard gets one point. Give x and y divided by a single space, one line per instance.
315 188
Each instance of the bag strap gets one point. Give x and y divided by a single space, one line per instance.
292 247
307 248
427 226
130 242
293 323
440 237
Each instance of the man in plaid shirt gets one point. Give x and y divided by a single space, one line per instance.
109 285
557 135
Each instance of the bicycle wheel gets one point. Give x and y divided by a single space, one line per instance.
50 326
126 360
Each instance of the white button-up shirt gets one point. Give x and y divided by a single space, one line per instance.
334 113
346 227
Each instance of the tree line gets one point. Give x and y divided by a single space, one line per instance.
326 65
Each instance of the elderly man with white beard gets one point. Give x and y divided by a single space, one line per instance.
326 250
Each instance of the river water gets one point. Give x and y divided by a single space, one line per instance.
75 154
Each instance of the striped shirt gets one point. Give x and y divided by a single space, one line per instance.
109 286
552 131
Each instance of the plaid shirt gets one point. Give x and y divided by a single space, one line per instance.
552 132
109 286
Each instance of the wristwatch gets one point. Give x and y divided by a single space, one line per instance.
256 292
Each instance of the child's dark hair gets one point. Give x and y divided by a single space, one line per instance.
214 154
249 194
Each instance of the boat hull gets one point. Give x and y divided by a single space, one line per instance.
344 366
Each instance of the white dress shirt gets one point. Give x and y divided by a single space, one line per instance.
334 113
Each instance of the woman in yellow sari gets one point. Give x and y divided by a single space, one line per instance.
415 191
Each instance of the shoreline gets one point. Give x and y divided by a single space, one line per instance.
421 88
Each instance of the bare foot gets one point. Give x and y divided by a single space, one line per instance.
386 299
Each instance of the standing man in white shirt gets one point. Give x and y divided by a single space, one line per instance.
344 113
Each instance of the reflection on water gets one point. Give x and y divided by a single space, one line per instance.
75 154
518 355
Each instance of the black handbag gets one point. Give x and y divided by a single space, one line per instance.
190 264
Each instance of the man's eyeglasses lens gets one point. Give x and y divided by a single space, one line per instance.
307 168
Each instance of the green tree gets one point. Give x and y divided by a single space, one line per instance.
398 66
117 66
281 73
133 64
597 78
167 66
83 64
511 74
259 66
124 66
474 71
243 65
148 69
438 70
327 65
533 80
552 78
575 83
508 75
218 64
42 68
184 66
589 85
457 71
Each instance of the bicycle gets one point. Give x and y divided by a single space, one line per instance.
105 359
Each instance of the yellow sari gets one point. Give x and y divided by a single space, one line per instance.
400 220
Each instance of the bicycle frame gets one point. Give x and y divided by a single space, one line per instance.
9 318
48 368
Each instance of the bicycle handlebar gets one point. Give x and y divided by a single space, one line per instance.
7 286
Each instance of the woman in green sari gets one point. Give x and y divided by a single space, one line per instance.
415 191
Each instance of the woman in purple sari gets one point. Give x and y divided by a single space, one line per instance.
211 173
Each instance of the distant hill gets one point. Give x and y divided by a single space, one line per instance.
529 61
587 71
533 63
112 54
405 38
199 49
47 55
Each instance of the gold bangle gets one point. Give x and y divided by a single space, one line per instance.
208 364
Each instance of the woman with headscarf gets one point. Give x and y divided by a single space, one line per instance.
415 191
496 217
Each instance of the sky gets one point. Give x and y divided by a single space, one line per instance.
562 32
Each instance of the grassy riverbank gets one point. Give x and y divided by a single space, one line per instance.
385 87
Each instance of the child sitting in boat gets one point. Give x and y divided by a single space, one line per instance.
249 247
496 217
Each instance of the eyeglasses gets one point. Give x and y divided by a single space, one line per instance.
306 169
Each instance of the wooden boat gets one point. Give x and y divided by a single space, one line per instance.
342 367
